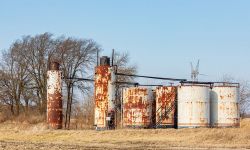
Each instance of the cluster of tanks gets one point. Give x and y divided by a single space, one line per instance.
182 106
188 105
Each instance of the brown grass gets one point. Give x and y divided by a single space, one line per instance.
233 138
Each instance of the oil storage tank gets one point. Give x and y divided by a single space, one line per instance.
193 106
104 95
166 106
225 105
137 107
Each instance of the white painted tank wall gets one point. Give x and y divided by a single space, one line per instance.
193 106
225 106
111 90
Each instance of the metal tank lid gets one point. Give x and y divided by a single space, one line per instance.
226 84
196 85
54 65
104 61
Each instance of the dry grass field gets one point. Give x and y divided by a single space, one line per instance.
24 136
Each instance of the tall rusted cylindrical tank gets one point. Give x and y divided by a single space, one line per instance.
193 106
137 107
225 106
166 98
102 78
104 95
54 97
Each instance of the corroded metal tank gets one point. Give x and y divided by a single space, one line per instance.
193 106
225 106
102 78
166 106
104 97
137 107
54 97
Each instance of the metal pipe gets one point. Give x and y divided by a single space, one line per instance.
80 79
138 84
97 59
128 83
140 76
113 55
196 82
211 83
149 85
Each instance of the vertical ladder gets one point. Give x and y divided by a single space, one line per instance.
165 113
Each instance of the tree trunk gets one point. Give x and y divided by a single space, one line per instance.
39 101
67 108
44 104
26 107
70 105
12 109
17 107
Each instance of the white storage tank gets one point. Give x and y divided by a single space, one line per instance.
225 106
193 106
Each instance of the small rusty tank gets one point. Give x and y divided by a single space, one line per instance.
104 95
137 107
166 99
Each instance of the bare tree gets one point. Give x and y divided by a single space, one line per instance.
122 62
244 97
24 66
83 113
76 56
37 53
14 76
6 92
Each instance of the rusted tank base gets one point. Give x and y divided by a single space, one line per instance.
100 129
135 127
55 126
191 127
197 125
165 126
226 125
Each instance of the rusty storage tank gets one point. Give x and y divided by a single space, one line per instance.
102 78
225 106
193 106
54 97
166 106
104 95
137 107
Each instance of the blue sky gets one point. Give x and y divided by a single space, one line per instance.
162 36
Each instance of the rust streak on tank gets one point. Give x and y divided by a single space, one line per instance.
137 107
165 99
54 97
102 78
